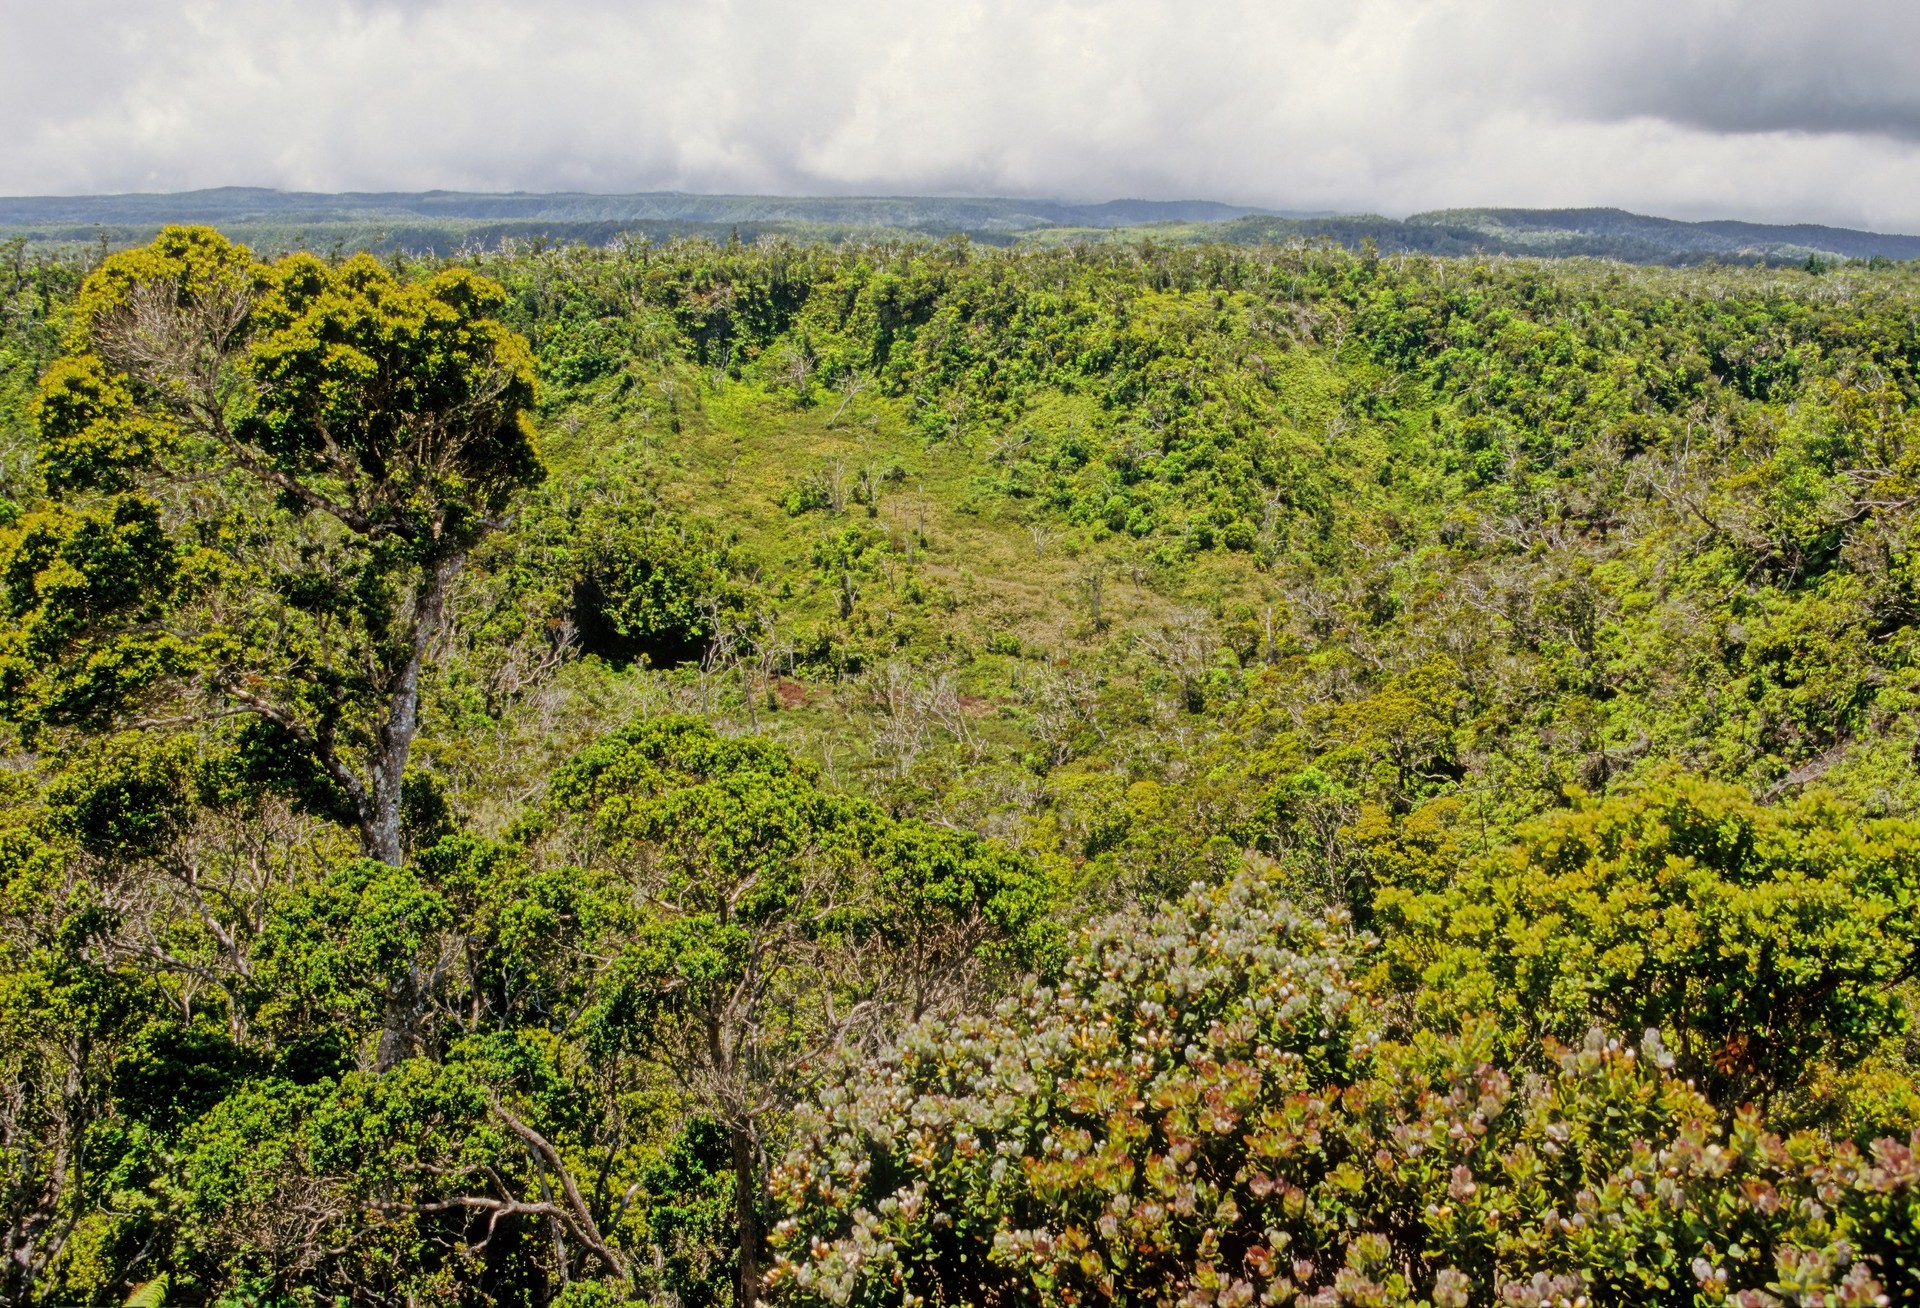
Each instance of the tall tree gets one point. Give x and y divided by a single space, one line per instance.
263 480
772 924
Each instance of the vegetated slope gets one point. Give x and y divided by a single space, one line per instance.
1614 233
1553 233
928 213
1574 523
444 222
1518 656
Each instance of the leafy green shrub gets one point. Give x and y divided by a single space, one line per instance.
1762 943
651 587
689 1213
1203 1113
573 353
126 797
808 494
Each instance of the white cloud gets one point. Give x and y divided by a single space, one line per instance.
1768 109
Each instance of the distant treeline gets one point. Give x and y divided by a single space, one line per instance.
445 222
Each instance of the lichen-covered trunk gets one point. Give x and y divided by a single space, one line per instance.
380 822
406 1000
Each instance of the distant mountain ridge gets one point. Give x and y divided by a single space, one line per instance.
444 220
1714 237
1579 233
941 214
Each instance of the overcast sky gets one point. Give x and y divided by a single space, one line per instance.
1776 110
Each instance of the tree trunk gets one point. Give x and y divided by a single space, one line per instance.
746 1214
380 825
400 1020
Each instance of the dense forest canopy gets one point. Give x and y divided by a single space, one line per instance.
920 773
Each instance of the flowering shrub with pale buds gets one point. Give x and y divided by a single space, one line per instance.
1203 1113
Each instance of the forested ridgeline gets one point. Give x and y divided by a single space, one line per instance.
923 774
442 222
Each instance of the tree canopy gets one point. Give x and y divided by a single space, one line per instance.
1099 773
263 479
1204 1111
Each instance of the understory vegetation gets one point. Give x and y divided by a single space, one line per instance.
920 774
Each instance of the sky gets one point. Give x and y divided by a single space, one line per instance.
1771 110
